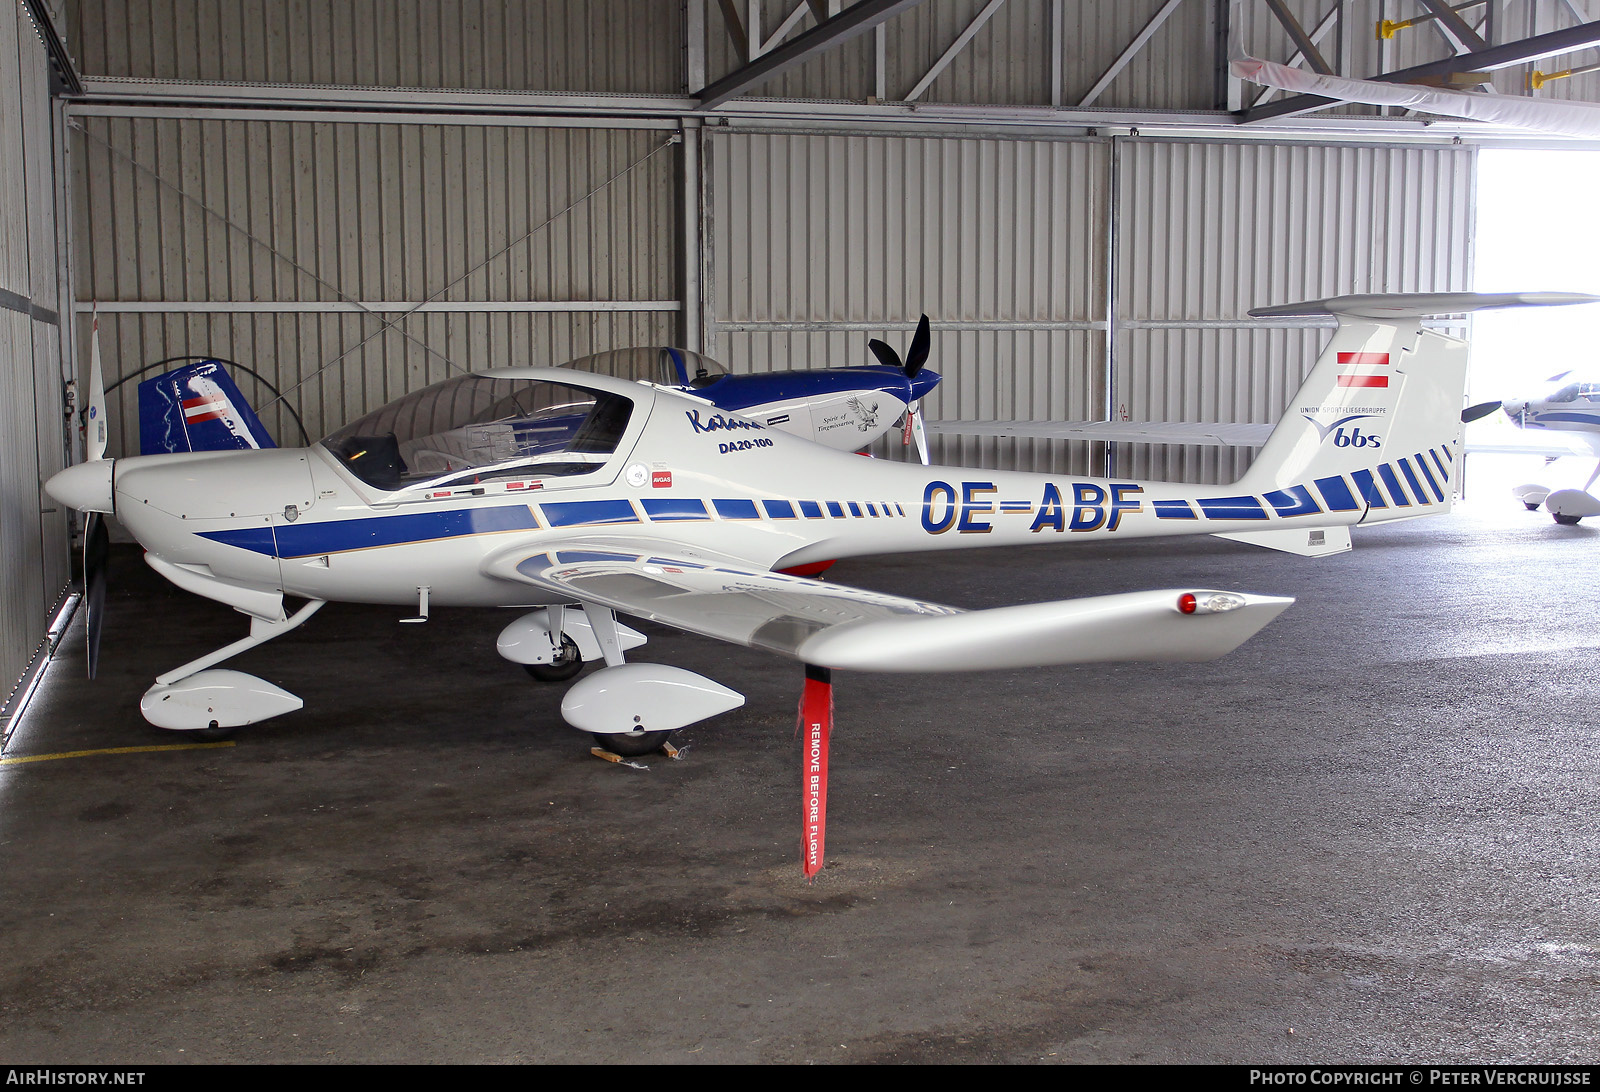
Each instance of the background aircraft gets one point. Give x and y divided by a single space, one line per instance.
198 407
1564 420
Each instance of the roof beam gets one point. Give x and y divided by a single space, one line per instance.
1335 17
1302 41
1465 39
950 54
856 19
1127 54
1484 60
735 27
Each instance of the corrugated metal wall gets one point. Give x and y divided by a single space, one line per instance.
270 243
33 544
1208 231
628 46
819 242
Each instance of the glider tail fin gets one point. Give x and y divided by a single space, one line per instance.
197 408
1375 430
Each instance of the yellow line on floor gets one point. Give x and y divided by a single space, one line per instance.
115 751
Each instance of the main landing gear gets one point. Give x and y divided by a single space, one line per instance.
629 709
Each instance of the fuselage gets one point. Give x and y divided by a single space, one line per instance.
683 479
1573 408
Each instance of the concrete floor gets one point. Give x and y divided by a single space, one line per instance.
1369 835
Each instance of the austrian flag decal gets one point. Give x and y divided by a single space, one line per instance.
208 408
1363 369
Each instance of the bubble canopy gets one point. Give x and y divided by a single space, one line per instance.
478 428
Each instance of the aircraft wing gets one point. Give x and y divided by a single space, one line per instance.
836 626
1207 433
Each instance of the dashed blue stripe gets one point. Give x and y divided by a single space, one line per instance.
1336 494
1397 492
1232 507
579 513
736 508
1368 489
1422 466
1416 486
671 509
1294 501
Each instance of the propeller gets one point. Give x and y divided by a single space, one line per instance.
96 551
96 540
1482 409
94 437
916 357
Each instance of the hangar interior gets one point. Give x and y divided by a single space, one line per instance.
357 198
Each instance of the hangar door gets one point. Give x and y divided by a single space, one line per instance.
34 563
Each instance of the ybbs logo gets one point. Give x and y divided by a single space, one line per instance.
1353 438
1342 438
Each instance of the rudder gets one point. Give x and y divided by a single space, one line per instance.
197 407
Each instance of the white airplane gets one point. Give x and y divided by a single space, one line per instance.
1566 421
586 496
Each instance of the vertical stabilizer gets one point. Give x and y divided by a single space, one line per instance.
197 408
1379 416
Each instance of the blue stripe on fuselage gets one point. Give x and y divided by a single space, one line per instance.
339 536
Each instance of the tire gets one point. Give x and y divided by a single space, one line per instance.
567 664
1567 521
631 744
1530 506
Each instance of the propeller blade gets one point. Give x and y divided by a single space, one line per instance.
94 437
1482 409
96 552
921 343
885 353
1559 376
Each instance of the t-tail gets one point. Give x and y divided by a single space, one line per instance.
197 408
1375 429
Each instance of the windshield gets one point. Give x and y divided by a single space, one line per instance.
668 367
473 428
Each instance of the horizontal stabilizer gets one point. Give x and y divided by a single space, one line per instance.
1317 542
1416 305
